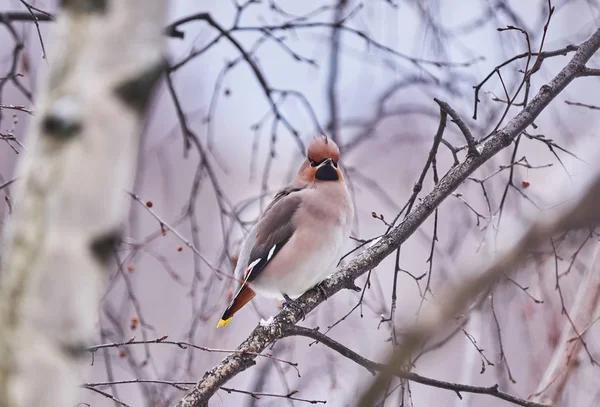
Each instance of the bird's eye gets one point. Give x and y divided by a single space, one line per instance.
335 164
313 163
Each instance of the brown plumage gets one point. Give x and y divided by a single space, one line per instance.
298 239
242 297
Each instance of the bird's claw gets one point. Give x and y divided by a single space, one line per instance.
289 303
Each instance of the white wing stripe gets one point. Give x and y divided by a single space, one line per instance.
271 252
250 267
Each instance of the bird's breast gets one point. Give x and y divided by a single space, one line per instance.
307 259
322 225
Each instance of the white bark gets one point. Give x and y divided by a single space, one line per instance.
564 361
70 203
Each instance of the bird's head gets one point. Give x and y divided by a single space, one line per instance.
322 161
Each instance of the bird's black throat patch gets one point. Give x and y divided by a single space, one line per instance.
327 173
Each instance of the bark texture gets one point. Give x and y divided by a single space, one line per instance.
70 205
264 335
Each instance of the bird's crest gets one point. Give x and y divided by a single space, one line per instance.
321 148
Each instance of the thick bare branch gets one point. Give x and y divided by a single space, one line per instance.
372 367
584 213
264 335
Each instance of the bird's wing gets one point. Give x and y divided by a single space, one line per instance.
273 230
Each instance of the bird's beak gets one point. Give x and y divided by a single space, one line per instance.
328 162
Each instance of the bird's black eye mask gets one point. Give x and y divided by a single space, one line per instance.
314 163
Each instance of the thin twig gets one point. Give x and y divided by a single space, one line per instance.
461 125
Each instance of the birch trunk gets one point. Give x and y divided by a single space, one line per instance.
70 203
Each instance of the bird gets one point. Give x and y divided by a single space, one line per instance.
299 237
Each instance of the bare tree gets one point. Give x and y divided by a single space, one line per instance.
421 96
368 259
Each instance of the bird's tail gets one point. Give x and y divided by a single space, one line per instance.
242 297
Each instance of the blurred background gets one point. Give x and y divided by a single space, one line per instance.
228 129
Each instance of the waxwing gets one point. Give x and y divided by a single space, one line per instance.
298 239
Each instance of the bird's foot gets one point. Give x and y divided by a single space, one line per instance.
289 303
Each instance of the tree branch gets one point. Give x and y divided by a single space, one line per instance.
589 72
334 68
584 213
172 30
262 336
461 125
294 330
26 16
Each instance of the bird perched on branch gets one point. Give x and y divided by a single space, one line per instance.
298 239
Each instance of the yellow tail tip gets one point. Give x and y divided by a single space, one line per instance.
224 322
